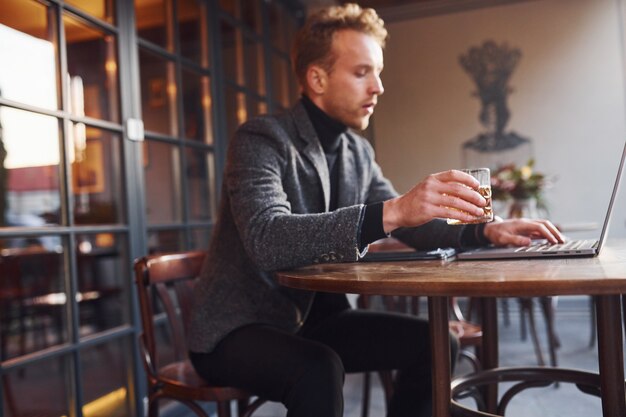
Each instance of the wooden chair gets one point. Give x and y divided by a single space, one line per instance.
31 301
170 278
548 308
469 335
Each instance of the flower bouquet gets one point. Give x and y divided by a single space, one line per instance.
523 183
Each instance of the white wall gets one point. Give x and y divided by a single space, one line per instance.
568 97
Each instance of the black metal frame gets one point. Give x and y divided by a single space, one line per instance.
135 230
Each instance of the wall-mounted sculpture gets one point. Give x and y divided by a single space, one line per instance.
490 66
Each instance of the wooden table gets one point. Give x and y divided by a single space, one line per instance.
603 277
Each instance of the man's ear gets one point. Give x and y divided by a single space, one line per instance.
317 79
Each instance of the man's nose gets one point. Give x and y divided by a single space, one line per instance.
377 86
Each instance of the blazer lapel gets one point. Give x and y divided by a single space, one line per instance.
313 149
348 175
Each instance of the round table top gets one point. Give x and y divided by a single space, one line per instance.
604 274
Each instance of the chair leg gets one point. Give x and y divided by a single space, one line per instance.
471 357
623 311
414 305
592 314
9 398
223 409
153 407
525 307
473 307
199 411
365 401
241 406
547 304
386 379
251 407
534 336
505 312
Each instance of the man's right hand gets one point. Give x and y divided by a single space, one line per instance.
450 194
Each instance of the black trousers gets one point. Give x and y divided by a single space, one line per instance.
305 371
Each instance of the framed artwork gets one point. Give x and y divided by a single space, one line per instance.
88 172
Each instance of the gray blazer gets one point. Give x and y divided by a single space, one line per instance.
274 215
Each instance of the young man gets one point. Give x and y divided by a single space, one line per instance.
302 188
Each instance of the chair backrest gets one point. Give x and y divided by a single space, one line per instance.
168 279
30 272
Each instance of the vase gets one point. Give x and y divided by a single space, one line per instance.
524 207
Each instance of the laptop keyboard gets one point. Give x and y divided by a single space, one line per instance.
554 247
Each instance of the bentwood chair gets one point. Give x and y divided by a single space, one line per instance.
548 309
29 300
469 336
165 285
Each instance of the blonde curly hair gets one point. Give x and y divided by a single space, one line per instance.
313 42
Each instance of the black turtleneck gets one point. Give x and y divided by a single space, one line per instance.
329 132
328 129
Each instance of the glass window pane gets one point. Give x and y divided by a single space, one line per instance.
162 173
40 389
236 112
292 26
256 107
105 379
230 6
30 185
102 274
200 184
96 175
251 15
280 80
294 87
197 102
158 93
32 296
92 67
193 31
277 26
232 53
166 241
102 9
150 18
255 74
32 77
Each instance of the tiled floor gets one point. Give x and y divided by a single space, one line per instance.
573 326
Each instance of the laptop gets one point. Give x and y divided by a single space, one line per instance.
542 249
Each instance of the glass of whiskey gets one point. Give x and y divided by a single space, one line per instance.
483 175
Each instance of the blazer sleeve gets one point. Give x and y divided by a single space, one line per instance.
275 237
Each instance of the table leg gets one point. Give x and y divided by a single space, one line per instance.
440 348
610 355
489 359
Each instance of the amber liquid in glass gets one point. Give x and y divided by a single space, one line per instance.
485 191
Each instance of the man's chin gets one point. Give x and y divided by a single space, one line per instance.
360 124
